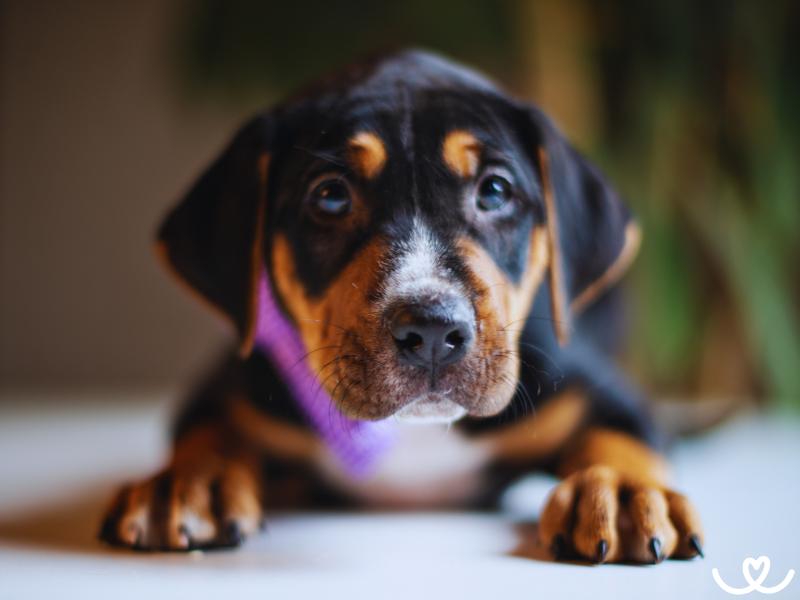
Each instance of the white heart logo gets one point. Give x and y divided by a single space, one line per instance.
758 565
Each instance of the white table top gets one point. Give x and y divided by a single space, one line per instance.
60 460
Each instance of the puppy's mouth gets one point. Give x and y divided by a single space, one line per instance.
432 350
373 382
431 408
434 360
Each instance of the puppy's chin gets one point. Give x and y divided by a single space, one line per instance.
430 408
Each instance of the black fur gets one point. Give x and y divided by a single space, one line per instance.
410 100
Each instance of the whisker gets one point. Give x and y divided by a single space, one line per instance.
541 351
510 323
333 362
519 355
307 354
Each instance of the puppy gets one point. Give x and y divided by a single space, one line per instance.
403 242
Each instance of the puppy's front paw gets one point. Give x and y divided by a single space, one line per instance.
201 504
599 515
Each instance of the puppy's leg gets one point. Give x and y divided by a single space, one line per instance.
209 495
614 504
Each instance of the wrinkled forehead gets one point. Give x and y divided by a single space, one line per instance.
406 129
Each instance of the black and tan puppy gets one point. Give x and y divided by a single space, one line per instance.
444 255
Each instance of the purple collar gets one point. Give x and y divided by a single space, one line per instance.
357 444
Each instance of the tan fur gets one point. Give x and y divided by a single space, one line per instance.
347 341
502 307
367 154
274 437
341 316
615 492
461 153
686 520
211 482
626 454
540 435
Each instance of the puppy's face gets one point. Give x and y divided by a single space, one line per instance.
404 213
406 242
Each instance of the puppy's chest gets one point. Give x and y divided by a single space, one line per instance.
426 466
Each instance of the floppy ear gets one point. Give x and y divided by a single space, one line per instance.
593 237
213 239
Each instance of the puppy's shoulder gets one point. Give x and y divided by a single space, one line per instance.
252 380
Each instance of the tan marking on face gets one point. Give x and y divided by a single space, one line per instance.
461 153
501 309
354 357
366 154
341 316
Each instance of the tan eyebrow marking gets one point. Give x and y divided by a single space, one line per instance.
367 154
461 152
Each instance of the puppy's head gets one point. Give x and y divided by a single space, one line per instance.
406 212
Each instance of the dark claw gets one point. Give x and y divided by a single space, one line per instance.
107 531
558 548
602 550
694 543
232 535
655 550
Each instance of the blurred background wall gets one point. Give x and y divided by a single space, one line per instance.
96 143
109 109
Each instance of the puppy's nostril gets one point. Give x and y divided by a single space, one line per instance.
411 341
454 340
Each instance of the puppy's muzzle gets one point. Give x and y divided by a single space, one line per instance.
432 333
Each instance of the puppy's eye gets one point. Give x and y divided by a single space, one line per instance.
494 191
331 198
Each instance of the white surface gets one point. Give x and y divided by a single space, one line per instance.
59 464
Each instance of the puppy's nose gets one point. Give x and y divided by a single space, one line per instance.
433 334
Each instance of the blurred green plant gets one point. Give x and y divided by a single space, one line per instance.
710 140
697 105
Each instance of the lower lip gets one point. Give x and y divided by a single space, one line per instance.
426 410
